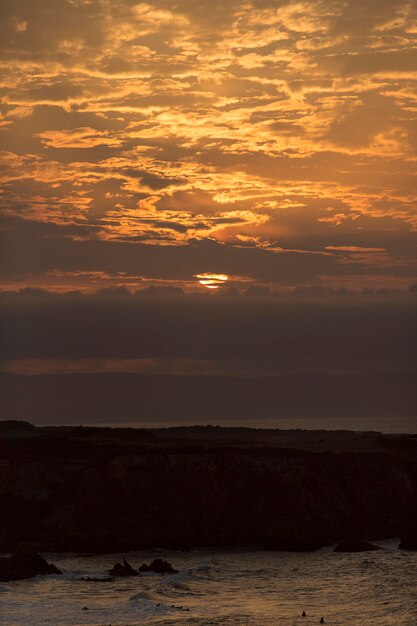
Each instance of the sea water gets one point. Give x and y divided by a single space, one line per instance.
386 425
223 588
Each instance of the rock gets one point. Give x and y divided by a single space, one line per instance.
25 563
123 569
408 542
355 545
13 427
159 566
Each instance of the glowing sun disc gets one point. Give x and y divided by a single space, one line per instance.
212 281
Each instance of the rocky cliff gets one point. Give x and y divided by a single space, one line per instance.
88 490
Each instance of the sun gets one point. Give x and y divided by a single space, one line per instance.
212 281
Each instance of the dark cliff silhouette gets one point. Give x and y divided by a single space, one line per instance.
118 489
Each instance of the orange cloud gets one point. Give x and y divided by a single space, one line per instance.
257 124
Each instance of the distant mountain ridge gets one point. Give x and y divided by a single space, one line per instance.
76 398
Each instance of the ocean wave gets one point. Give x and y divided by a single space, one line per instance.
187 582
250 589
141 596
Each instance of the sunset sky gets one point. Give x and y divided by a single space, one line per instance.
158 158
144 143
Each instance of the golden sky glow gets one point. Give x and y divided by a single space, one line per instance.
152 142
212 281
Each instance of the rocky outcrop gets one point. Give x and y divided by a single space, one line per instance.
356 545
99 494
159 566
123 569
25 563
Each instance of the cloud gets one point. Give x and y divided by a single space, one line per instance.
77 138
171 127
355 249
240 334
61 256
173 333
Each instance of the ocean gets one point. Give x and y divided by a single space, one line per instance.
223 588
387 425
